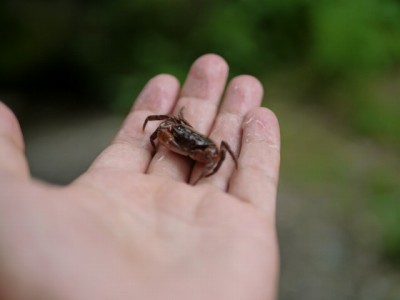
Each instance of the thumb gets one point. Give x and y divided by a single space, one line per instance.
12 150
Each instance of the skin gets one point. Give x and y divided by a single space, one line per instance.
131 227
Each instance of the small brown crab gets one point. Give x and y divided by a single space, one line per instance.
176 134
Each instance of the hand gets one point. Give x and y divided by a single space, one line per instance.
131 227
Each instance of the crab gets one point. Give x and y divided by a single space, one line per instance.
177 135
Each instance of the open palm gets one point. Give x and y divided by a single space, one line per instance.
132 227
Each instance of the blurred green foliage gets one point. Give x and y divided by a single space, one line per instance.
356 36
343 56
115 46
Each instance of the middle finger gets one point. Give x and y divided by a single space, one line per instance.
200 96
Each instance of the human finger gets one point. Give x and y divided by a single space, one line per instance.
12 148
243 94
256 180
130 150
200 97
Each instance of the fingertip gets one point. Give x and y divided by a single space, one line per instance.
252 83
261 124
12 157
263 114
159 94
244 92
206 78
212 61
9 125
165 80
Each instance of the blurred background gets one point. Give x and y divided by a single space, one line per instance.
331 70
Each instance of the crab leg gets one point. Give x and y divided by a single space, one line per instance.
155 118
224 146
182 119
153 137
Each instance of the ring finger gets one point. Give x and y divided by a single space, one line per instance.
243 94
